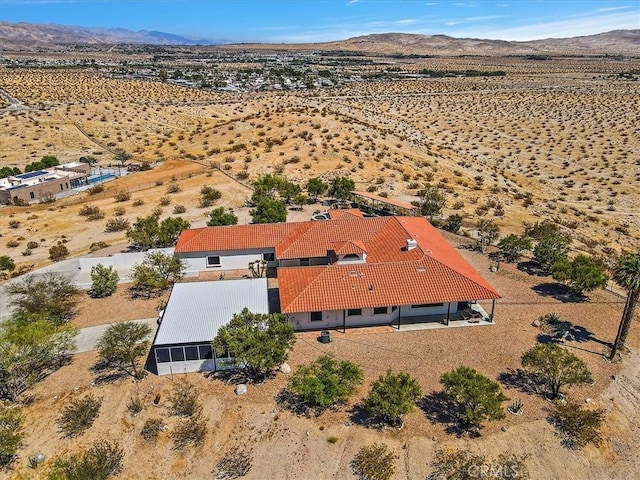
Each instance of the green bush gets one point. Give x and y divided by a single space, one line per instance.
184 400
104 281
79 416
392 396
58 252
189 431
117 224
576 424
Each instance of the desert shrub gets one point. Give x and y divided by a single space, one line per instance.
374 462
31 245
156 212
102 460
152 428
184 400
79 415
58 252
577 425
104 281
462 465
95 246
173 187
137 203
117 224
189 431
208 195
13 244
11 433
164 201
235 464
14 224
7 263
122 196
96 189
88 210
179 209
119 211
135 404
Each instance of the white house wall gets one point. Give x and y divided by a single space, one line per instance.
119 260
334 318
187 366
234 260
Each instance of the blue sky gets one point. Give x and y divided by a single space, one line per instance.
296 21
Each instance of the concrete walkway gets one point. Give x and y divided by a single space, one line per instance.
88 337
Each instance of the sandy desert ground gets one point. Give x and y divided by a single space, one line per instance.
558 141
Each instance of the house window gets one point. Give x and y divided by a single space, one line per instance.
162 355
351 256
61 187
177 354
394 308
380 310
213 261
269 257
354 312
427 305
206 352
191 353
316 316
32 195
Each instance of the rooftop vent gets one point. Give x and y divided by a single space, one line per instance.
421 268
411 243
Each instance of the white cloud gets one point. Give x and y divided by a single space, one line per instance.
408 21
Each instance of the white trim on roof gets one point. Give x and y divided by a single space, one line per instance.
196 310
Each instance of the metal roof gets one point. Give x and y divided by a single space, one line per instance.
196 310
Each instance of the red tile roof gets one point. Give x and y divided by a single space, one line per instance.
339 287
336 212
432 272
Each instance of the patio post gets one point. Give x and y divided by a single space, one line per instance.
399 315
493 306
344 321
448 312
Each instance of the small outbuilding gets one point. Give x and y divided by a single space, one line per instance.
192 317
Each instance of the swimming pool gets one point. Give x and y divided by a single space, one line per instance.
101 178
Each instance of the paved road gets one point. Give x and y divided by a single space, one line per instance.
87 338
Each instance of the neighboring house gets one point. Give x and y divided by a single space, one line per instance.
348 271
42 184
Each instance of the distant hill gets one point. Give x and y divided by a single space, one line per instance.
28 36
24 36
615 42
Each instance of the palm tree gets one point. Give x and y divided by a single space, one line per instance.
627 275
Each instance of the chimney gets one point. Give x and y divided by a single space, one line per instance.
411 243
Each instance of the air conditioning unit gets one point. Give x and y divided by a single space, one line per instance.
411 243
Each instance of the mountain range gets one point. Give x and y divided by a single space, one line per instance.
29 36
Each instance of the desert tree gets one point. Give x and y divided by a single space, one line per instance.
123 344
583 274
627 275
269 210
219 216
58 252
325 382
555 366
157 272
472 397
488 232
32 345
209 195
121 156
258 342
542 229
512 246
315 188
104 281
453 223
392 396
50 294
341 187
432 201
550 250
149 232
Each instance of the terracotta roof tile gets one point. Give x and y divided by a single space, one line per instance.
233 237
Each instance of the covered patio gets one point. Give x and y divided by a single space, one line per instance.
383 205
474 314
